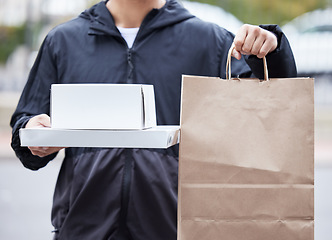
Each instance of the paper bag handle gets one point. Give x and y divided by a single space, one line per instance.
228 65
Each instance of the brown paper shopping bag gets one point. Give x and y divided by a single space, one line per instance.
246 169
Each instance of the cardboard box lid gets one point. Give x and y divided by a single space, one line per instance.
102 106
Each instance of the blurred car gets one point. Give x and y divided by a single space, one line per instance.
215 14
310 36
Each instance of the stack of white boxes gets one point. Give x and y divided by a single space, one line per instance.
102 115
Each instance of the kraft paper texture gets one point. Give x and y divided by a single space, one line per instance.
246 166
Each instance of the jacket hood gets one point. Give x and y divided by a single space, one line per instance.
102 21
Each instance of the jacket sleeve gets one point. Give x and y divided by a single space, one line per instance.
35 99
280 62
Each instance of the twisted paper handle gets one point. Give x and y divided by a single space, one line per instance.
229 70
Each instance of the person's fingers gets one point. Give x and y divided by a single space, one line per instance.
236 54
41 120
44 151
38 151
253 40
45 120
250 39
269 45
239 38
257 47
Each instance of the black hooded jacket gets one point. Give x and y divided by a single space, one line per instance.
128 193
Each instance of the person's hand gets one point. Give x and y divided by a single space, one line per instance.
40 121
253 40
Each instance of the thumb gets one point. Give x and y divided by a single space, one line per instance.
45 120
236 54
41 120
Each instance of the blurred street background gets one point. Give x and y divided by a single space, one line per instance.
26 196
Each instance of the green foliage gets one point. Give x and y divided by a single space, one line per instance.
267 11
10 38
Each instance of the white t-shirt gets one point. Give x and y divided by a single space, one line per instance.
129 34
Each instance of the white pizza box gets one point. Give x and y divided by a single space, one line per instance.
102 106
156 137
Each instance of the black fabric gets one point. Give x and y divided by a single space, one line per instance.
279 65
95 198
123 232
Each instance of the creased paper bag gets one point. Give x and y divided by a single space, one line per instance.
246 169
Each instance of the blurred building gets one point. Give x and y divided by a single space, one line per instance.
17 12
39 16
310 36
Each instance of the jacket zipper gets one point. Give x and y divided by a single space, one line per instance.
125 194
131 66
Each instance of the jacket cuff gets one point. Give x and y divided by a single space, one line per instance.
23 153
276 30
